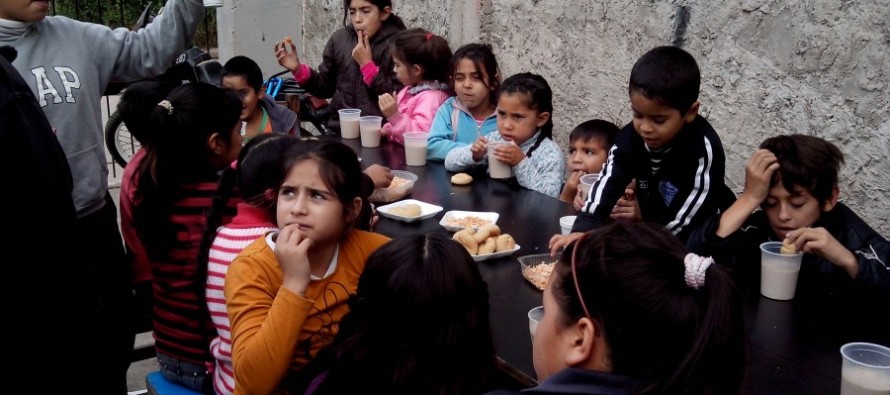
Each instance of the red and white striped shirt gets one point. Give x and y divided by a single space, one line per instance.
249 224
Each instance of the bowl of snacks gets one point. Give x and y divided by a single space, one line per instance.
536 268
401 186
456 220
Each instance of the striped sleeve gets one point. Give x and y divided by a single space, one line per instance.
699 194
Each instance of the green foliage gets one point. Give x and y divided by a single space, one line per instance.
125 13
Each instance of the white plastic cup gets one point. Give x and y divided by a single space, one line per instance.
534 317
778 272
566 223
586 183
865 369
496 168
415 148
349 128
370 130
213 3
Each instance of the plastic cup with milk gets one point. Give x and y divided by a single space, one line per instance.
496 168
865 369
586 183
415 148
349 118
534 317
370 130
778 272
566 223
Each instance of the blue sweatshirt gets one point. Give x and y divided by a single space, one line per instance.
454 127
68 65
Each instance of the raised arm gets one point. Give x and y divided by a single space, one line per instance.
417 119
148 52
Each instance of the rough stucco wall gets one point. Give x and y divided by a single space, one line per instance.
251 28
816 67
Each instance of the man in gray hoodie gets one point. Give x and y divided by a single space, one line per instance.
68 64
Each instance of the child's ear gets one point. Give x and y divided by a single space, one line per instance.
832 200
385 13
260 94
417 70
692 112
543 118
586 346
354 210
216 144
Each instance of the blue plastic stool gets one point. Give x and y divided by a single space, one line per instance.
158 385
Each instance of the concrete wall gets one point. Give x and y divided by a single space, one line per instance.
817 67
251 28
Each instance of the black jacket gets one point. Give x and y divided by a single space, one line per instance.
688 188
580 381
339 77
741 252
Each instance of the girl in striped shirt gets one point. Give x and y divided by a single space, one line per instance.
259 170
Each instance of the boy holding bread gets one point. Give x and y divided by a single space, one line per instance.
793 180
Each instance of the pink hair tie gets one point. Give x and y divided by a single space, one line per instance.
429 36
234 165
696 266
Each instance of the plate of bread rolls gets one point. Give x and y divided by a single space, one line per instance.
486 243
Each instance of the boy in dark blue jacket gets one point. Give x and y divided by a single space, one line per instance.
672 151
794 181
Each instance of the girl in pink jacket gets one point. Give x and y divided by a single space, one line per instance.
421 63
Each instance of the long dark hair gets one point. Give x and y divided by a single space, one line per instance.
418 324
260 169
539 96
483 57
672 337
420 47
179 155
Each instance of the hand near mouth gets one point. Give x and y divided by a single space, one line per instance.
292 253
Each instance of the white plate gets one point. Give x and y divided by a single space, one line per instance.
493 255
454 214
426 210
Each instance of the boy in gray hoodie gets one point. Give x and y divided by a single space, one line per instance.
68 64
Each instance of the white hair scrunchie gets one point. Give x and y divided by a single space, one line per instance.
167 105
695 269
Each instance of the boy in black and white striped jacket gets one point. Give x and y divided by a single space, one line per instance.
672 151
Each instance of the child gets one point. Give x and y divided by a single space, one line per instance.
59 59
287 292
260 169
420 59
357 65
589 145
674 153
418 324
136 106
463 118
628 311
195 133
794 181
262 115
525 103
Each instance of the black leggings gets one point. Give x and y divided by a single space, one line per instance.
109 278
